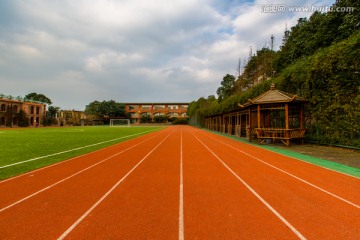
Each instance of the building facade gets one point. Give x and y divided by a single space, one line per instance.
77 118
170 110
9 111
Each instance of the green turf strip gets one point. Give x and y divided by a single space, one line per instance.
18 145
317 161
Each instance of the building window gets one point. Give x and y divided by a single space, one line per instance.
32 110
145 113
68 115
133 107
173 114
146 107
3 107
37 110
184 106
173 107
159 107
15 108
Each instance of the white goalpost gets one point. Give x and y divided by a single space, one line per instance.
119 122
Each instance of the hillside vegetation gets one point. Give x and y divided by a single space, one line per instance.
318 60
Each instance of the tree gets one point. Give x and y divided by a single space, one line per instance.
37 97
52 110
161 118
226 88
93 108
23 120
106 109
145 118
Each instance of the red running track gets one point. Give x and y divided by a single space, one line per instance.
181 183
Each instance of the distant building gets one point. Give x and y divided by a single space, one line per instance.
10 108
171 110
77 118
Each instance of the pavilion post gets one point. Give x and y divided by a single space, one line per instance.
249 129
258 116
301 116
240 124
287 124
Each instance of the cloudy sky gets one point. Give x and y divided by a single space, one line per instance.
79 51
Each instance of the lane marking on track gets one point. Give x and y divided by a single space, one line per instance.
292 228
75 224
181 195
71 176
310 163
292 175
75 149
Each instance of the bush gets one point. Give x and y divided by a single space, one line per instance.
181 121
161 118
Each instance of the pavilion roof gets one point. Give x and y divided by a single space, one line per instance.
274 96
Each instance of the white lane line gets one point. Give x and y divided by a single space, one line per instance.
71 176
181 197
296 177
297 159
58 163
75 149
292 228
108 192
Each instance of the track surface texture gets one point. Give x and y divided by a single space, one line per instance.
181 183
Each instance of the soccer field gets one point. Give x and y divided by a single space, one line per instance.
23 150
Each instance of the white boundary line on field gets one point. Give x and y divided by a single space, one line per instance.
291 175
291 227
75 224
181 195
73 175
75 149
54 164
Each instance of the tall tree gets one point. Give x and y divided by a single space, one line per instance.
38 97
226 88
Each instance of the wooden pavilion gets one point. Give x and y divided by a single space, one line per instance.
274 115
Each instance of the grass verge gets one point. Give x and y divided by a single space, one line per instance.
287 152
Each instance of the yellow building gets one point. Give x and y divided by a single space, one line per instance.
77 118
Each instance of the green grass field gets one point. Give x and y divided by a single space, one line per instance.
19 145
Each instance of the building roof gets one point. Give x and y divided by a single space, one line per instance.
274 96
157 103
3 100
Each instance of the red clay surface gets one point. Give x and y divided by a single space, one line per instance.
131 190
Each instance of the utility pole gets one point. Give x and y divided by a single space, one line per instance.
238 68
272 55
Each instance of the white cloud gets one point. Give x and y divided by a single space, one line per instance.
129 50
